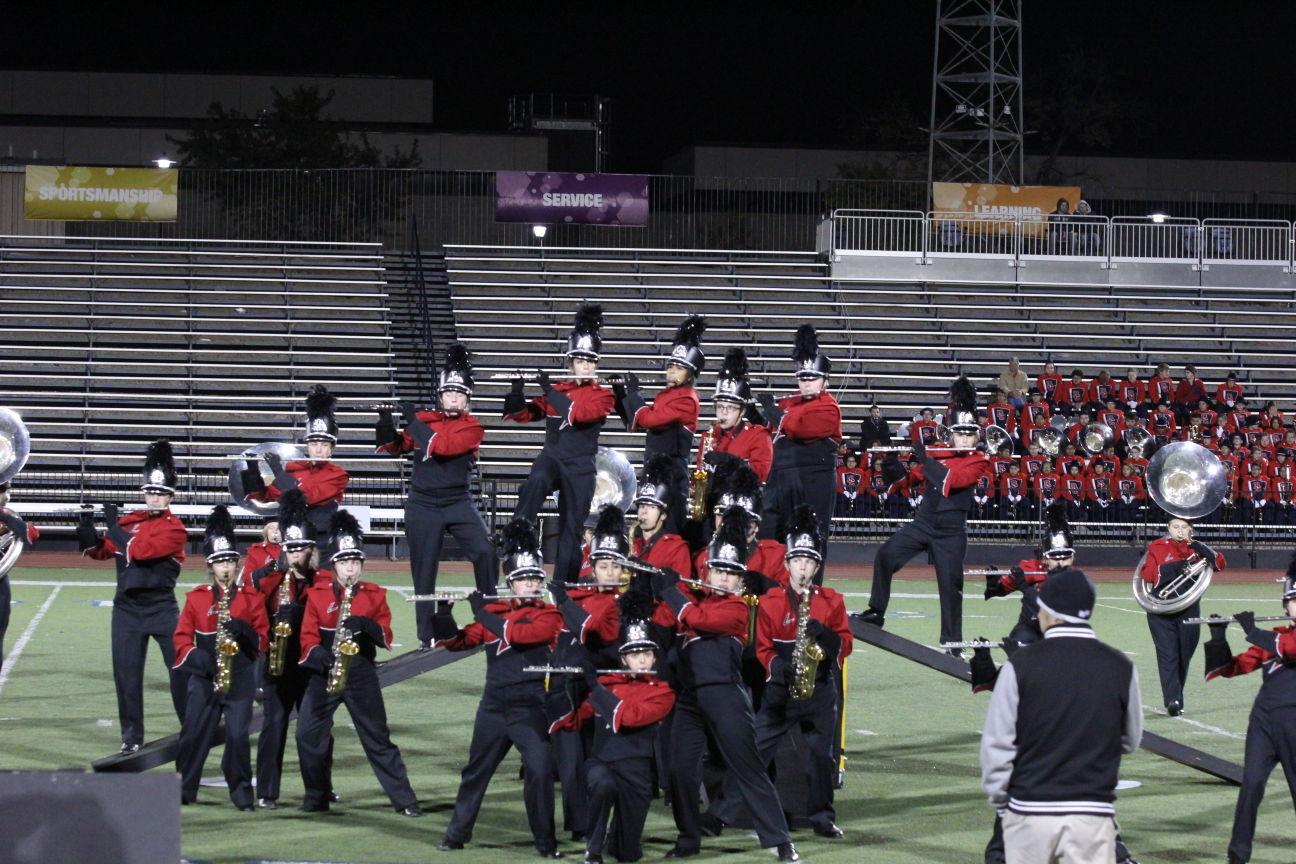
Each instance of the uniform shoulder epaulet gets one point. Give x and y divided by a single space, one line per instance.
203 587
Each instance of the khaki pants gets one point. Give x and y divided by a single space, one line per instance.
1072 839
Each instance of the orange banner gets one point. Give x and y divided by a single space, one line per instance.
992 207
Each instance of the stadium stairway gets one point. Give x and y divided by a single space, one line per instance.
422 320
110 344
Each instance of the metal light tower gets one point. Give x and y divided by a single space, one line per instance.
976 105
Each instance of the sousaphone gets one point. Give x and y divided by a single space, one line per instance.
15 448
252 456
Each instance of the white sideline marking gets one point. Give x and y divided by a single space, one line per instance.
26 636
1197 723
864 732
1138 611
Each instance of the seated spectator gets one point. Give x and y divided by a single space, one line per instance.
1098 493
1013 381
1000 461
1131 392
1059 229
1113 418
1076 391
1160 387
1254 496
1048 382
1036 412
874 429
1228 393
877 489
1013 487
850 480
1209 417
1071 456
1238 418
1073 492
1045 487
1032 462
923 430
983 496
1187 393
1001 413
1162 423
1271 418
1101 388
1087 231
1109 460
1130 494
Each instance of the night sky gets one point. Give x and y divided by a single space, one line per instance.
1207 79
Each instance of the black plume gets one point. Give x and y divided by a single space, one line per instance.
220 523
962 395
690 332
806 344
735 364
733 531
344 523
160 455
457 357
319 401
637 604
518 536
662 468
893 470
292 508
611 521
804 522
589 318
1055 517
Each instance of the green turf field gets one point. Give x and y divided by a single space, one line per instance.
912 792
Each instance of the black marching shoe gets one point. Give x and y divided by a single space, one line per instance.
591 858
448 845
787 852
412 810
550 853
876 617
246 808
268 804
313 808
831 831
710 825
1130 859
677 852
1175 708
425 645
334 797
129 748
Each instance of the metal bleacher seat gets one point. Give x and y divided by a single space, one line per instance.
109 344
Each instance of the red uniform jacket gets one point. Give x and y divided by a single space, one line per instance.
850 481
1045 486
912 485
590 403
1128 391
999 465
161 536
1064 463
320 482
1073 488
1166 551
200 613
1227 394
1074 392
1131 487
1111 464
750 442
1002 414
1099 392
640 702
810 419
258 556
1159 389
1033 463
603 624
1048 385
1283 489
1255 489
1014 485
532 623
1236 421
1256 657
776 624
768 559
1098 487
1140 465
663 550
708 614
1036 572
451 436
1162 423
923 431
1189 394
322 601
674 406
1036 414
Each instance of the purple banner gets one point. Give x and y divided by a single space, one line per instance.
548 197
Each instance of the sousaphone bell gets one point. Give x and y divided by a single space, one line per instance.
252 456
15 448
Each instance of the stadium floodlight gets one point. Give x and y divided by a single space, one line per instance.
539 231
1158 218
164 161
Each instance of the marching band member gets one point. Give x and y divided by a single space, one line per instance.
712 700
517 633
19 528
285 606
148 547
574 411
333 682
733 435
321 480
940 525
219 658
650 541
1272 725
1175 642
736 485
263 553
444 445
672 418
807 431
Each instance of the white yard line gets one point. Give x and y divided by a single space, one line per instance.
1196 723
1122 609
26 636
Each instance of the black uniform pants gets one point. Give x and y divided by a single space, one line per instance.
790 487
1270 740
503 721
947 548
725 711
283 694
133 624
1175 643
364 702
569 747
426 524
204 708
6 602
627 786
575 485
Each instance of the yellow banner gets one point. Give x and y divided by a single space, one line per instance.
83 194
987 204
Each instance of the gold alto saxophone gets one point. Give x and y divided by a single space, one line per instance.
806 653
344 646
700 478
283 631
226 645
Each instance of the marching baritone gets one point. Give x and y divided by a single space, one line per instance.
940 524
650 540
807 431
517 633
220 635
1271 728
346 620
671 419
19 529
1165 561
574 411
733 436
444 444
321 480
147 547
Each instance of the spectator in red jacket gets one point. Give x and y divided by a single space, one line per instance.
1228 393
1255 495
1272 418
1101 388
1013 488
1130 495
850 483
1046 485
1071 456
923 430
1187 393
1049 382
1073 492
1001 413
1160 387
1130 391
1098 493
1209 416
1075 391
1036 412
1033 461
876 488
1162 423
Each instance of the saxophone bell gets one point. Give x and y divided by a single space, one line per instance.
806 652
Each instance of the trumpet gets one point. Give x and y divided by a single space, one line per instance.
576 670
458 596
1220 619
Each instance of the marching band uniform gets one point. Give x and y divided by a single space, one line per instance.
574 412
713 701
746 441
807 432
660 547
444 445
323 482
148 547
284 692
261 554
198 635
940 525
370 627
1174 641
1271 728
19 528
671 420
512 709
